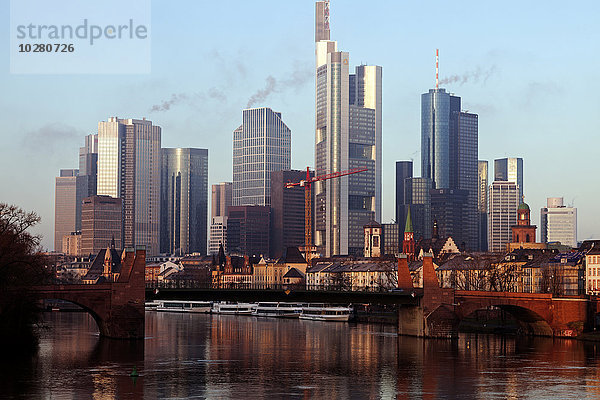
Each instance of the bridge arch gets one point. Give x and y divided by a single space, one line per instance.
90 311
530 321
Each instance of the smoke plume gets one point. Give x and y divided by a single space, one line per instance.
191 99
470 76
297 79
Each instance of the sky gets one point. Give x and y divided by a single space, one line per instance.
529 69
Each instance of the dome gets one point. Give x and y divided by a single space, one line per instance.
523 206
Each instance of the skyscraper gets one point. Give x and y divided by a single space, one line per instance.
88 163
417 192
101 218
404 170
559 223
482 204
220 203
347 135
262 144
287 211
129 165
503 202
184 201
70 189
449 142
510 170
248 230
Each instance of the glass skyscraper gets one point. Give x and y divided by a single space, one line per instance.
129 165
449 156
184 201
503 202
347 135
510 170
260 145
482 203
559 223
417 192
70 189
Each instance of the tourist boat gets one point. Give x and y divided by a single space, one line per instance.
278 310
233 308
326 312
151 305
184 306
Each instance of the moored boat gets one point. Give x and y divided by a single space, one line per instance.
326 312
184 306
278 310
233 308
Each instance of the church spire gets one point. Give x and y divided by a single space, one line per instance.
408 227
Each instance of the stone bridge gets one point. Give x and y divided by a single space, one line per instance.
117 307
440 310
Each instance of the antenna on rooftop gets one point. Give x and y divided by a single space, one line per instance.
437 68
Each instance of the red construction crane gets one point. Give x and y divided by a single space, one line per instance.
307 184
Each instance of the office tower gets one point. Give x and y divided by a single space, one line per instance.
262 144
510 170
101 224
390 238
184 201
417 192
404 170
347 135
220 203
88 163
482 204
502 213
559 223
221 199
248 230
449 156
129 165
70 189
287 211
449 210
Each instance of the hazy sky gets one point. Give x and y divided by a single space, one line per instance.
531 72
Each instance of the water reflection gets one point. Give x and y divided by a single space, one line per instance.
224 356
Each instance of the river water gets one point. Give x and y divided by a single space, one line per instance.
220 356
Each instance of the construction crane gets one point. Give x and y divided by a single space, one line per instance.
307 184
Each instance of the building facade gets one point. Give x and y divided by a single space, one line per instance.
88 163
404 170
129 167
70 189
287 211
482 203
418 194
558 222
101 224
510 170
248 230
220 203
184 201
262 144
503 202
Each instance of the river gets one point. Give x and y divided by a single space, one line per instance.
220 356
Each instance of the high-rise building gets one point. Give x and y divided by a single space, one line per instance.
221 199
347 135
71 244
129 166
101 224
482 203
88 163
262 144
70 189
449 140
390 238
448 210
287 211
418 195
220 203
184 201
510 170
248 230
559 223
503 201
404 170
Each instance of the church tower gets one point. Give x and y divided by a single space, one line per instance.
408 246
523 232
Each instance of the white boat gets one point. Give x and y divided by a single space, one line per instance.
278 310
326 312
184 306
233 308
151 305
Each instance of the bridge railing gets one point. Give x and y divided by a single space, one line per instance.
192 284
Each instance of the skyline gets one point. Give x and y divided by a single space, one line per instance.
524 94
